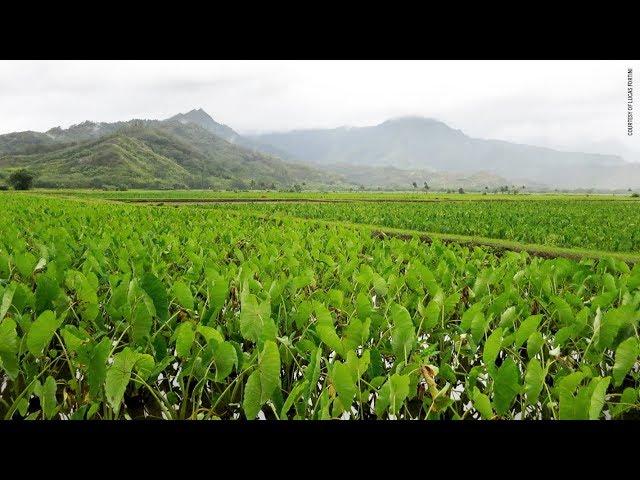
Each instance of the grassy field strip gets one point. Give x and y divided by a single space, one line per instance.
338 200
208 195
544 251
71 197
496 244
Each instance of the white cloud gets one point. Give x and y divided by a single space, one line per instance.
555 102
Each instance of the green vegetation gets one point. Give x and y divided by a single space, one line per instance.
325 194
114 310
21 180
150 154
610 226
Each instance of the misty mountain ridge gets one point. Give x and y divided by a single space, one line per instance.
400 179
423 143
392 154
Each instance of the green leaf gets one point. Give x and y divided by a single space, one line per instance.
469 316
47 290
482 404
118 376
380 285
562 335
97 368
570 382
42 331
572 407
626 356
210 333
80 413
225 358
627 401
312 373
565 314
534 381
358 365
256 323
492 347
508 317
252 402
7 300
47 395
292 398
633 281
451 302
218 293
392 395
506 386
86 293
336 298
4 266
182 293
269 368
431 315
74 338
141 323
326 331
535 343
9 347
25 263
344 384
526 329
145 365
606 327
356 334
302 314
597 397
479 325
403 336
185 337
158 294
8 336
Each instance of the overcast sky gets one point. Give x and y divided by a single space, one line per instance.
551 103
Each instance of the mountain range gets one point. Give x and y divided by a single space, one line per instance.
173 153
420 143
192 150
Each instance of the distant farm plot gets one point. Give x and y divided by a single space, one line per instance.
601 225
252 195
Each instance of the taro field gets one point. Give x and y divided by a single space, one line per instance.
295 310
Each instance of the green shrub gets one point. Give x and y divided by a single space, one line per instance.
21 179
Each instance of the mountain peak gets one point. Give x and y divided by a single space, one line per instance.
199 112
414 120
197 115
204 120
417 125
